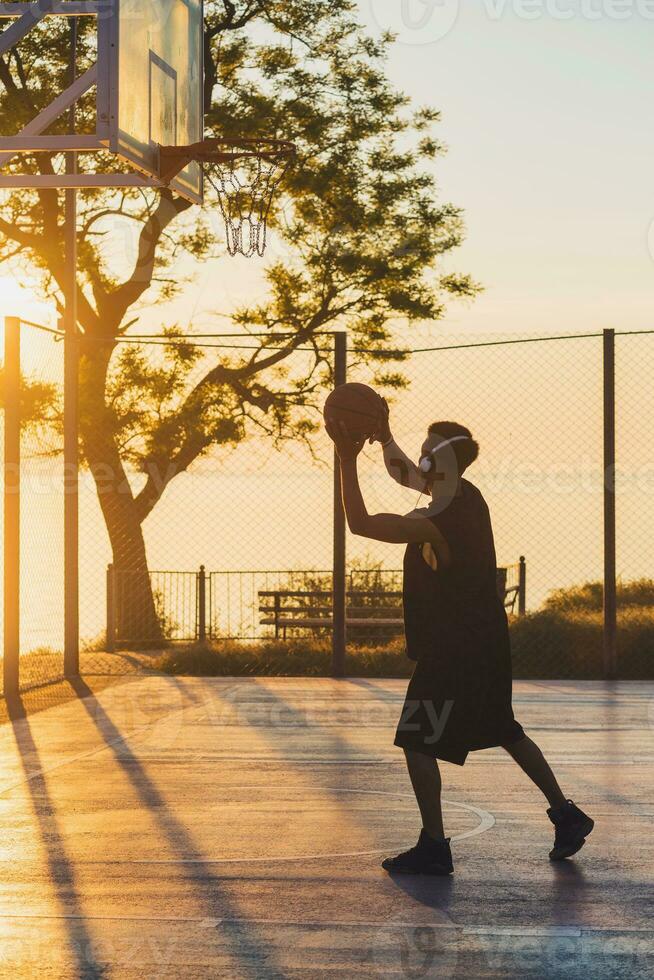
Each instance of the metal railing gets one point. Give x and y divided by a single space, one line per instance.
199 605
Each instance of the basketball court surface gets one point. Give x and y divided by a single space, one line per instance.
233 828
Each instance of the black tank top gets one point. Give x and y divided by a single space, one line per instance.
444 606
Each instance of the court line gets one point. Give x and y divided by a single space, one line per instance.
397 700
174 862
45 770
209 923
281 761
180 759
486 822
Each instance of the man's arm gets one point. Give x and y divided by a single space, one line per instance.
403 470
392 528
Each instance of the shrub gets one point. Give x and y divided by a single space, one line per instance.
589 596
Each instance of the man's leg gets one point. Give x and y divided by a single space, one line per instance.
572 825
532 761
432 854
426 781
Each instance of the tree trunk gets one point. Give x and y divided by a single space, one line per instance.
136 618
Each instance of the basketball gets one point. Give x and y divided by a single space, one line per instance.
357 405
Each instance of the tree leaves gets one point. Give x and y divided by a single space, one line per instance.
359 217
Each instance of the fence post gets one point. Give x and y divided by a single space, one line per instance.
11 642
338 570
110 641
209 604
202 605
501 575
522 591
277 602
610 590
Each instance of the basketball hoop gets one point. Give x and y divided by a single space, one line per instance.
245 174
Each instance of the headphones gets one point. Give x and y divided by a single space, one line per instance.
426 464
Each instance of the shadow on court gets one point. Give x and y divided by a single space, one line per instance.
243 948
60 879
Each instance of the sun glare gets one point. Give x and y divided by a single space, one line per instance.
17 300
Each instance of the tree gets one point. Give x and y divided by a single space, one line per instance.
363 228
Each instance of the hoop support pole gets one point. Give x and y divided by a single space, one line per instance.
11 639
63 101
71 410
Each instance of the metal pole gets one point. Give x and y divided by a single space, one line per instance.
110 641
71 450
202 605
277 603
522 592
12 508
610 598
338 571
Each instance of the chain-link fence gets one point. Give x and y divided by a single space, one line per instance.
238 544
536 405
260 498
260 605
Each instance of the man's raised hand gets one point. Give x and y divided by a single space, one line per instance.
383 433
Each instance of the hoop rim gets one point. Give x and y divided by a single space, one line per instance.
222 149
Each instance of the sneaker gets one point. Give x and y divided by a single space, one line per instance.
428 857
572 826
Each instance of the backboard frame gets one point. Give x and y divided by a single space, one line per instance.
104 77
145 159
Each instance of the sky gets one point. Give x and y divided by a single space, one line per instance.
550 127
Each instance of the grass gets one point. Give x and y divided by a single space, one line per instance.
589 596
562 640
291 658
555 643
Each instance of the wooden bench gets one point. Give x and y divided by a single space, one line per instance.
311 609
316 611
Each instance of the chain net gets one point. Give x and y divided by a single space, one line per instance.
245 186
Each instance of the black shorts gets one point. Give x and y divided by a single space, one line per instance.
448 718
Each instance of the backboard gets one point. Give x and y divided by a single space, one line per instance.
156 84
